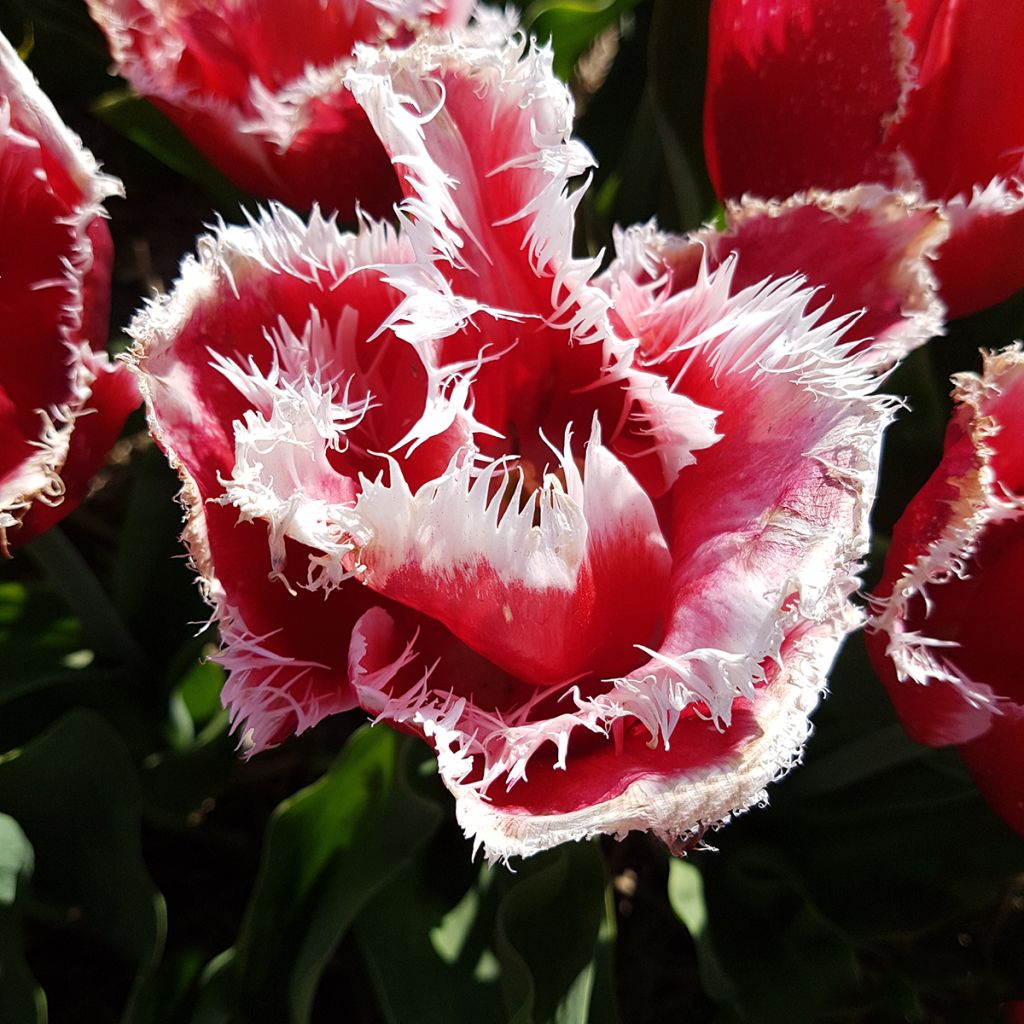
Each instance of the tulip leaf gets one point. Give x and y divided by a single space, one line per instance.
75 793
102 625
148 560
178 785
676 72
686 897
328 850
140 121
547 930
759 925
21 999
446 950
572 25
40 645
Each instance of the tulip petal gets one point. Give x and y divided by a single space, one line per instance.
802 95
965 123
257 87
918 95
944 639
868 252
54 301
983 261
492 203
996 763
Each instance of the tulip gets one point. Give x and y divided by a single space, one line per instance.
945 640
592 538
257 87
62 402
925 96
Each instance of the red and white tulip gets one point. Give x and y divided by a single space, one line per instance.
62 402
258 87
592 538
946 641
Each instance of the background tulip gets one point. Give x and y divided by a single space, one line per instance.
257 87
62 403
945 638
924 96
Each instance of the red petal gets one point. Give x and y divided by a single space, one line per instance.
493 202
983 261
547 603
258 88
996 762
964 123
800 94
946 642
868 252
114 395
54 298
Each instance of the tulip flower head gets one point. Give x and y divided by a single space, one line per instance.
62 403
923 96
257 86
946 641
592 539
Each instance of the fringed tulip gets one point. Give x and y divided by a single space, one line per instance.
62 403
592 539
257 86
946 641
920 95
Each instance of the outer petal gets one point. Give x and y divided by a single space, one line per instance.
963 135
480 135
983 261
257 86
868 251
945 640
964 123
283 361
54 297
802 94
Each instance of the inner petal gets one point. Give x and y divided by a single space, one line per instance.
558 587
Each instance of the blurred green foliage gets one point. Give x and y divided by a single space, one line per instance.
149 875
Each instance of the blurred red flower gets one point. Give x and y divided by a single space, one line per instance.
592 538
62 402
257 86
946 640
921 95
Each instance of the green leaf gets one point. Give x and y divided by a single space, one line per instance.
572 25
442 949
40 645
75 793
102 625
678 66
759 926
328 850
179 786
140 121
546 935
21 999
152 586
686 897
16 858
